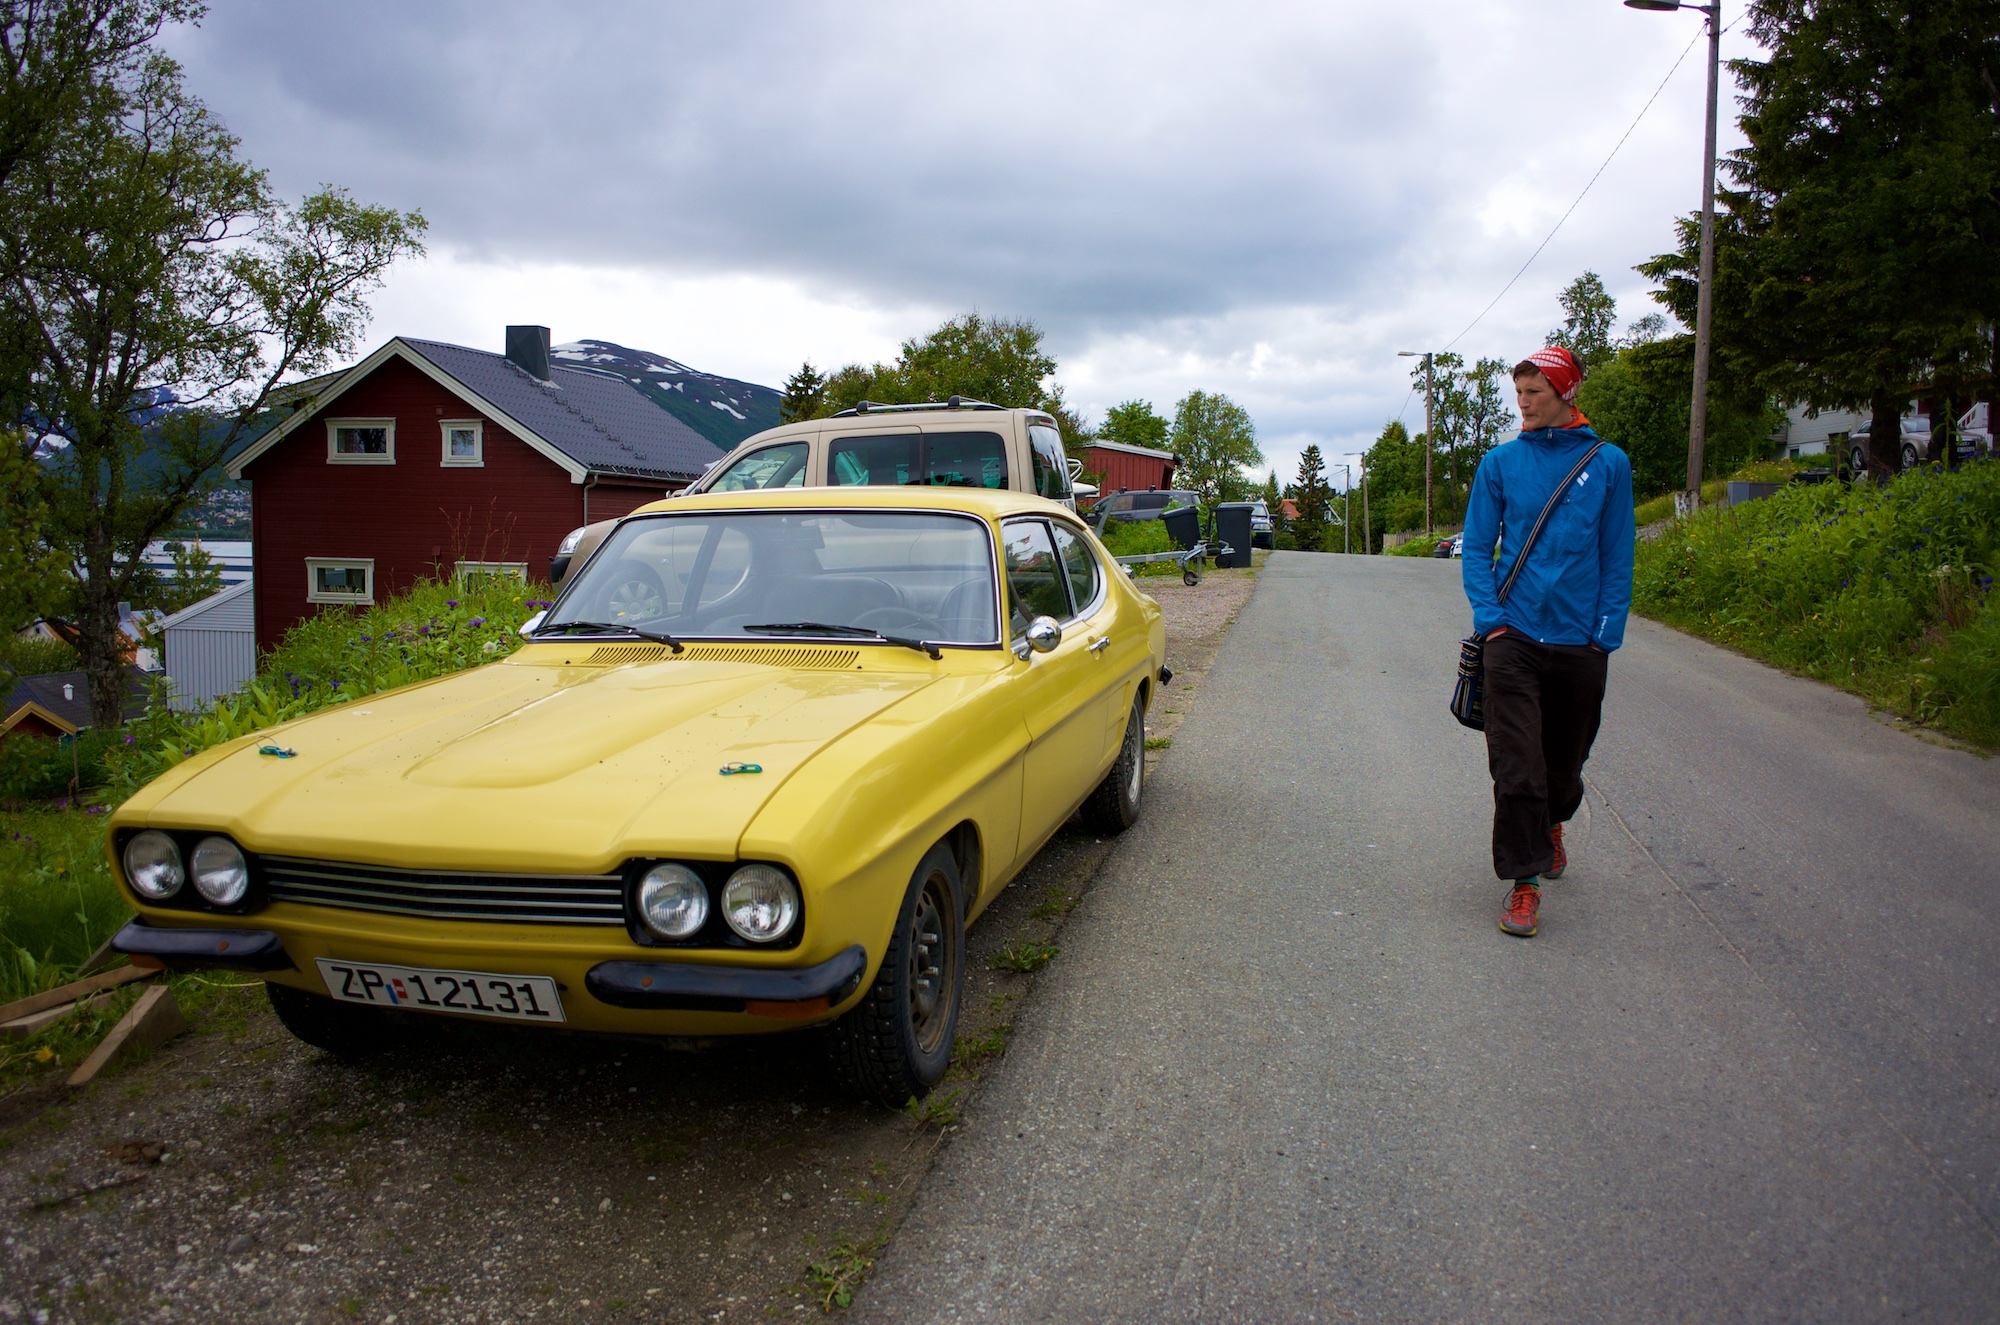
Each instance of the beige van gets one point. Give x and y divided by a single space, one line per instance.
957 444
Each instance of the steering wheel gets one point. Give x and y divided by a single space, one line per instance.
888 618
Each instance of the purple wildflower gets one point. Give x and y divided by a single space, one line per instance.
423 630
451 602
477 621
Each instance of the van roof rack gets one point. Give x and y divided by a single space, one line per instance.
952 402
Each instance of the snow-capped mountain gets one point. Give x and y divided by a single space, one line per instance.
721 409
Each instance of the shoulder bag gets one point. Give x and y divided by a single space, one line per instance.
1468 696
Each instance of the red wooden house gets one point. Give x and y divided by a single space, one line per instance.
1129 468
427 459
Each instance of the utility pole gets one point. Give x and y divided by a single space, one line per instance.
1429 426
1347 510
1688 502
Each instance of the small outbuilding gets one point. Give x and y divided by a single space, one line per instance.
212 646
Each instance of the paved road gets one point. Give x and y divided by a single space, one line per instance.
1287 1067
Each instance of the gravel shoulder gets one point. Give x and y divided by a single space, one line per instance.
470 1173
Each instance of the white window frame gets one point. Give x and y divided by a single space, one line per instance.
366 565
477 459
517 569
333 455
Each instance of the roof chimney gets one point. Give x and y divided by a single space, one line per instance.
528 350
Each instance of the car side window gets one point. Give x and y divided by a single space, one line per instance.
965 460
873 460
773 467
1079 566
1034 575
1051 467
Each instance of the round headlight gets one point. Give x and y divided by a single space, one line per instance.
673 902
760 903
153 865
221 875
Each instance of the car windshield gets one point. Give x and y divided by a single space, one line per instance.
708 574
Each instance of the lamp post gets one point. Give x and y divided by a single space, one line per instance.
1426 356
1688 502
1347 510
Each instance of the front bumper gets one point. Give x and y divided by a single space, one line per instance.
773 993
183 949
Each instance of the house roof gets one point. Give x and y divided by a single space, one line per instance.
194 612
31 716
1099 444
586 422
73 709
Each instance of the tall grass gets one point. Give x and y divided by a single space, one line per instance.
1886 591
57 901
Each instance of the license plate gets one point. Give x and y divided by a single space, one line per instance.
477 993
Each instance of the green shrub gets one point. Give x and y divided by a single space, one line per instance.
36 657
1420 546
1886 591
57 898
41 768
1133 538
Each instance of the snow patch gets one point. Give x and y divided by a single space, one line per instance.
740 418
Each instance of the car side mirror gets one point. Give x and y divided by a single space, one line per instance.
1044 633
528 626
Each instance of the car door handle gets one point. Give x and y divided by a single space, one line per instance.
1101 645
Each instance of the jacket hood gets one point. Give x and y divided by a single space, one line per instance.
529 767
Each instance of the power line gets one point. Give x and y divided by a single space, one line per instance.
1699 34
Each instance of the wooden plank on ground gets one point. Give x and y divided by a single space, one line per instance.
153 1020
74 990
35 1023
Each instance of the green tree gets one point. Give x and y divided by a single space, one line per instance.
805 395
1214 438
1855 254
1135 424
1395 469
31 572
1313 495
1640 399
153 293
1589 313
994 359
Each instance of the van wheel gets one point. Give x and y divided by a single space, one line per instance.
896 1043
1114 806
342 1029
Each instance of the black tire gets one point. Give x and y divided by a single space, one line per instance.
1190 578
342 1029
1857 459
896 1043
1114 806
1912 457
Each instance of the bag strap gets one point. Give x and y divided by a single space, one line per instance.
1542 519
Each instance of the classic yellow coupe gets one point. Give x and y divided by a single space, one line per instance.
756 768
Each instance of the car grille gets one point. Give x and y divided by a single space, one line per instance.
542 899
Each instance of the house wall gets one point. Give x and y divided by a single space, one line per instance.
211 648
416 517
1122 469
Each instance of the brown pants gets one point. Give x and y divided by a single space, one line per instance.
1543 704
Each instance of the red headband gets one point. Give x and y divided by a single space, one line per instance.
1565 374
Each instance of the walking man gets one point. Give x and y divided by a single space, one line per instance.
1548 644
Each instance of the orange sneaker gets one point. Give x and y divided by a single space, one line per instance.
1555 871
1518 918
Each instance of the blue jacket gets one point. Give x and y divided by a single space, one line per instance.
1577 585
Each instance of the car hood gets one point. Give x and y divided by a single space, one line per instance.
528 768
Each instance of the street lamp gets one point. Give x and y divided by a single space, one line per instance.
1688 502
1426 356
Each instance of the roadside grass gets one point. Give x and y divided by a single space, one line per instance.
57 900
1883 591
1022 957
835 1276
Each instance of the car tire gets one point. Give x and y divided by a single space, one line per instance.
1857 460
895 1044
342 1029
1114 806
1911 457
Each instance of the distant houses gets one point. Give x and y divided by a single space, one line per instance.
1129 468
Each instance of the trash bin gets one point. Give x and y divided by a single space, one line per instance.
1183 525
1232 526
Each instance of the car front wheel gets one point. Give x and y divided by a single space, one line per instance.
1911 456
1114 806
896 1043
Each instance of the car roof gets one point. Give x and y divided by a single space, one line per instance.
988 503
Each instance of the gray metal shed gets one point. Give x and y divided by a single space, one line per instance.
212 646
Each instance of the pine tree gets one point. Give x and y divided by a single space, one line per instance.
1313 495
805 395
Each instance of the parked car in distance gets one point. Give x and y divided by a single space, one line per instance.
1974 439
1260 525
1136 506
755 769
959 443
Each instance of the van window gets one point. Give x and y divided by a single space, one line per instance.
1051 465
772 467
874 460
965 459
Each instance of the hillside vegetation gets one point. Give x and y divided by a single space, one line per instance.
1884 591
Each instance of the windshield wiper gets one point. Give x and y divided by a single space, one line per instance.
822 628
657 636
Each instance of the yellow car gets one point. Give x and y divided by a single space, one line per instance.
755 769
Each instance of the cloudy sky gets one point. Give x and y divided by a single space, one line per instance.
1267 200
